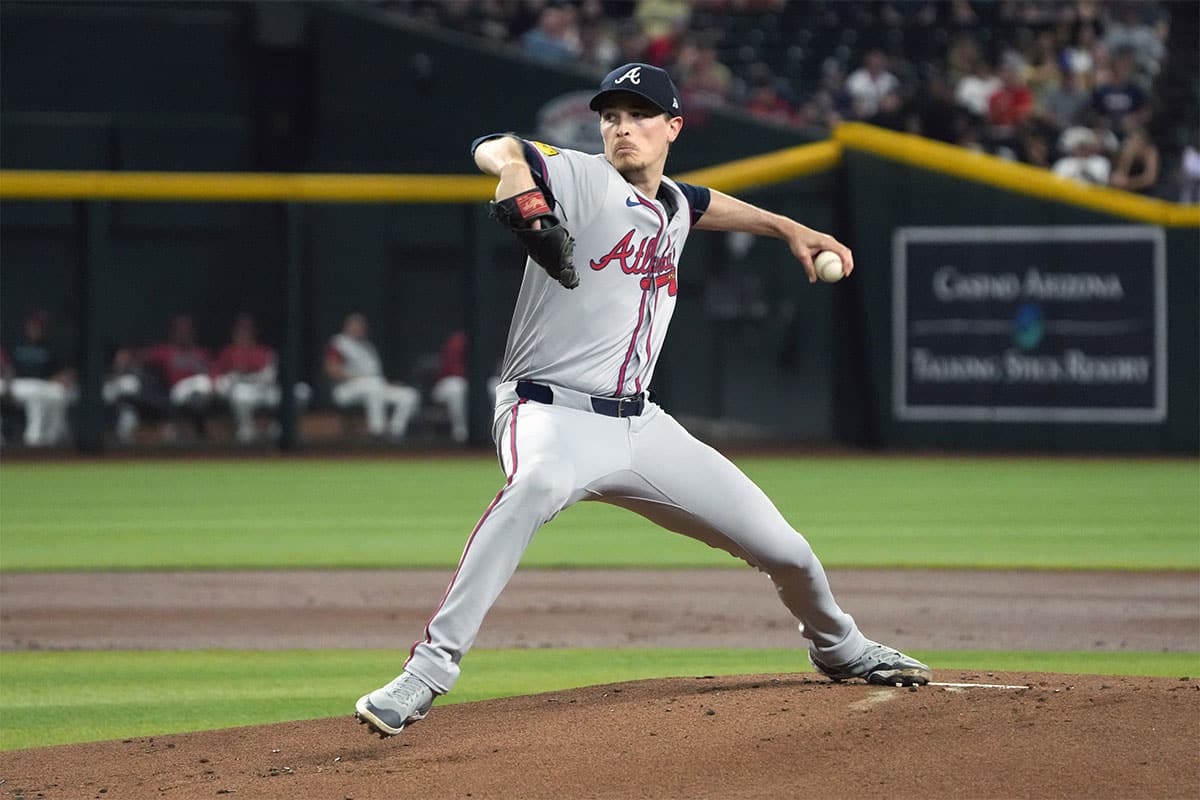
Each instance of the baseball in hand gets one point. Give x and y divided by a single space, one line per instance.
828 266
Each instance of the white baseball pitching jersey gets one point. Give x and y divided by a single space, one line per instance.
603 337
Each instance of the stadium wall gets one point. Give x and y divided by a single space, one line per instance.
753 345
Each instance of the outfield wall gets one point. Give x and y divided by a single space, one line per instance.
1004 308
1097 309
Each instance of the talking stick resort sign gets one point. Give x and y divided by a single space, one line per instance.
1030 324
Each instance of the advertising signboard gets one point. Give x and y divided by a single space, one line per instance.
1030 324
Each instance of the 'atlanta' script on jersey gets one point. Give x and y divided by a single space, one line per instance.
659 270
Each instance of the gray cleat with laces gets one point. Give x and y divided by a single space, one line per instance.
878 664
405 700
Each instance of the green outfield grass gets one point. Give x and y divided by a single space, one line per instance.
59 698
952 512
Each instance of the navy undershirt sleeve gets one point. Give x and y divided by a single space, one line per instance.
532 158
536 166
698 198
475 144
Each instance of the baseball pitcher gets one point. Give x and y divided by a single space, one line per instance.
573 420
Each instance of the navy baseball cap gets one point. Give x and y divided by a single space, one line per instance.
644 80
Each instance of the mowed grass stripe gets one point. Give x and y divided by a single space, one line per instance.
58 698
954 512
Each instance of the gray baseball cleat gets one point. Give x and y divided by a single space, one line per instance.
386 711
878 664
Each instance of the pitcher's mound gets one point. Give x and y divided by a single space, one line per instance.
751 736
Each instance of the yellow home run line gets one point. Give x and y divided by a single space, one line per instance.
734 176
244 187
934 156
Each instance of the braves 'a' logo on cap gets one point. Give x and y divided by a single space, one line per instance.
634 76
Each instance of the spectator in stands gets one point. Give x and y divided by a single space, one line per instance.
1189 172
976 88
1010 105
453 14
1084 160
1065 46
1040 67
1110 142
555 39
1126 29
183 367
1033 144
703 80
35 376
244 374
494 24
1119 98
765 99
632 43
1079 55
1029 12
830 103
937 113
355 370
962 14
961 56
662 22
1063 105
1136 167
868 84
597 42
496 20
973 136
908 13
893 113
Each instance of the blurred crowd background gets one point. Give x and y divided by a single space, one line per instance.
1105 92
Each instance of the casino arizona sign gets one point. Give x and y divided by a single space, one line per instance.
658 270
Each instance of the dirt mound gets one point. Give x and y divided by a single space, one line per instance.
768 736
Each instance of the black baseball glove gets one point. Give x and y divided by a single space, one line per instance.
551 246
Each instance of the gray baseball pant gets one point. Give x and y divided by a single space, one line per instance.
555 455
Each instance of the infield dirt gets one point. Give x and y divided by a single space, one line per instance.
754 736
757 736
